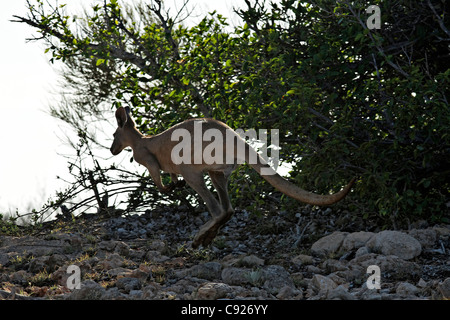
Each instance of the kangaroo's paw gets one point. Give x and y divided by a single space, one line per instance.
206 234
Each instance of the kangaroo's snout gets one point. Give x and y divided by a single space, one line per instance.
113 151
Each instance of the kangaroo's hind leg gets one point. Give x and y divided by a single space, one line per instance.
220 182
209 230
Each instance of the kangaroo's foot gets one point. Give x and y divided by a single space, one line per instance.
206 234
205 237
209 231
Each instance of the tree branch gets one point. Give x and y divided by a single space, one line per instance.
379 48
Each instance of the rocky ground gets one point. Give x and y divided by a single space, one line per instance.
270 256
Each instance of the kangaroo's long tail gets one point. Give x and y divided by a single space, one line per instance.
292 190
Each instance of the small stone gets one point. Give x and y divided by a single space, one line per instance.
406 289
362 251
235 276
302 259
112 261
321 283
208 271
444 288
340 293
288 292
422 283
122 249
275 278
128 284
90 290
213 291
251 261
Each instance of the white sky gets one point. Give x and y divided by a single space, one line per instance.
30 139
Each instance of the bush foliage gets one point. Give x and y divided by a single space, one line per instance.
348 100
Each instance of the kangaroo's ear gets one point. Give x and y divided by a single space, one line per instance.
129 118
121 117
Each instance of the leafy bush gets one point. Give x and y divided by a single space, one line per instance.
348 100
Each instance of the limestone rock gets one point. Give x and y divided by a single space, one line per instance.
356 240
328 244
395 243
213 291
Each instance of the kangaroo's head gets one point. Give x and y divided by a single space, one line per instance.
123 137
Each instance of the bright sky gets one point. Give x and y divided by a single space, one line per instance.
30 139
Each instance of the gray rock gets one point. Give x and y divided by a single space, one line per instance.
426 237
127 284
158 245
393 265
406 289
340 293
112 261
213 291
122 249
395 243
288 292
155 256
38 264
322 284
362 251
275 278
151 290
4 259
329 244
444 288
356 240
302 259
235 276
368 294
107 245
251 261
90 290
113 294
208 271
20 277
443 232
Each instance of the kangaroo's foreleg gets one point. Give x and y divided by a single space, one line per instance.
153 168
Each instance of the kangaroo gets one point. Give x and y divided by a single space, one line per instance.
156 153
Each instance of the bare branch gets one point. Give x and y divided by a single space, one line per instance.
440 21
